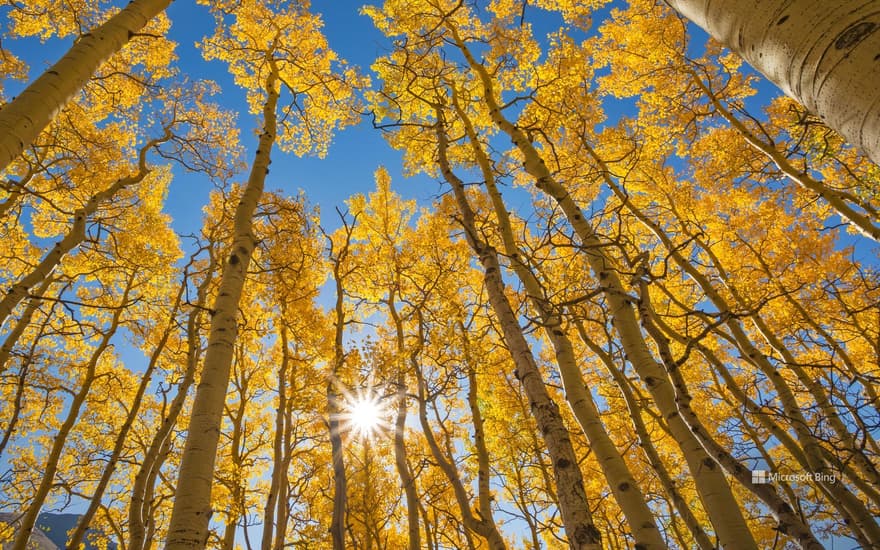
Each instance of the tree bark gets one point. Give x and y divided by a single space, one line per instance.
192 504
576 516
822 54
23 118
621 481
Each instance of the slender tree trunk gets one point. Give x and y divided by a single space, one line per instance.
26 526
192 504
484 497
23 118
577 520
235 483
406 477
621 481
140 507
823 54
279 454
82 525
334 407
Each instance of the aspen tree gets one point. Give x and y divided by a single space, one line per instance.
269 49
674 495
580 529
192 505
620 479
22 119
824 56
339 256
714 489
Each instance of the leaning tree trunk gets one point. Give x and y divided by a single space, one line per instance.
192 503
23 118
577 518
823 54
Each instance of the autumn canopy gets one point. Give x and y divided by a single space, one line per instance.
638 307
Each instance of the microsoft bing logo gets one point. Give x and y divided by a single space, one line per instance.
760 477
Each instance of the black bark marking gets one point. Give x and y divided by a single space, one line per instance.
782 20
563 463
854 34
233 259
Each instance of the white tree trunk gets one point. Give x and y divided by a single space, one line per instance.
23 118
825 54
192 502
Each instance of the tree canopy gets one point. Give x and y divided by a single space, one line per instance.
638 308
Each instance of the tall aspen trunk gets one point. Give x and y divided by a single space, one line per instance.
82 524
75 235
723 510
334 407
89 373
22 323
577 519
192 503
23 118
621 481
406 477
140 522
823 54
280 459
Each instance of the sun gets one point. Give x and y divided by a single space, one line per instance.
365 414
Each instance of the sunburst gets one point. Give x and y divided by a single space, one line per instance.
365 413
